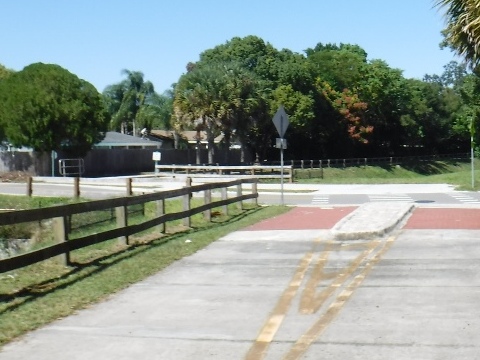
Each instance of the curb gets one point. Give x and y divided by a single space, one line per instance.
371 220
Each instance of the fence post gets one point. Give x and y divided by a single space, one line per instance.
186 202
76 187
162 228
225 197
129 186
239 193
302 164
29 186
311 164
255 191
208 200
60 227
121 213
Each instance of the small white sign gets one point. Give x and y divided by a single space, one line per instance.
156 156
281 143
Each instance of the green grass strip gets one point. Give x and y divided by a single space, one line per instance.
39 294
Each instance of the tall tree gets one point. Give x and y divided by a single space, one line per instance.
387 95
462 32
4 72
217 98
48 108
341 66
157 112
126 99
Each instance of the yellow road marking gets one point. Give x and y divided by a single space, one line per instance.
305 341
310 302
267 333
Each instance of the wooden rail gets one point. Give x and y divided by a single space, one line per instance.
261 171
60 215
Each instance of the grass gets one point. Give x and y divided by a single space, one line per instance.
449 172
38 294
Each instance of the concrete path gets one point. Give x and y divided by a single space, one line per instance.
274 291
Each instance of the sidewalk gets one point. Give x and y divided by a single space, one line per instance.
292 288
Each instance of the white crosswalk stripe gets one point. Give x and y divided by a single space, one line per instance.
320 199
390 197
464 198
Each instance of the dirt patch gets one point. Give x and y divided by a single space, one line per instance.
14 176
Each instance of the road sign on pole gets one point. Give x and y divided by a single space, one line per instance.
280 120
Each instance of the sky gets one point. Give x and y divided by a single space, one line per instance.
97 39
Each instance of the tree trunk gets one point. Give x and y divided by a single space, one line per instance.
197 149
227 139
211 150
210 142
176 139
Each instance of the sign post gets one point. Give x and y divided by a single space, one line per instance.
280 120
156 156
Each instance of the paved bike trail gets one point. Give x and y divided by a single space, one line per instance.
286 288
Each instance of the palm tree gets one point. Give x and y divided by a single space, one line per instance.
216 98
462 33
198 103
125 100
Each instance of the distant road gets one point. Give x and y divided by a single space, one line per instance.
294 194
451 198
61 190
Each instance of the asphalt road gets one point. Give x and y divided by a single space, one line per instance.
450 198
294 194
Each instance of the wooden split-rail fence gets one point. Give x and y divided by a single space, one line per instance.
61 215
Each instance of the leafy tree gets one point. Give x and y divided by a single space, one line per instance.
462 33
4 72
340 125
339 103
48 108
279 74
126 100
343 67
251 52
454 74
467 119
351 110
386 93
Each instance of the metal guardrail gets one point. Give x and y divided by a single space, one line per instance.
346 162
71 167
260 171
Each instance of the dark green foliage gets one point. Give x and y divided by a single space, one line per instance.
47 108
132 103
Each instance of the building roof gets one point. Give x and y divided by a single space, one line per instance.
114 139
189 135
